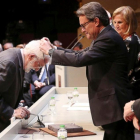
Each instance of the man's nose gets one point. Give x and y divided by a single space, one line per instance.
82 30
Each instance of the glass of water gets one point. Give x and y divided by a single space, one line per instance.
52 105
38 136
70 96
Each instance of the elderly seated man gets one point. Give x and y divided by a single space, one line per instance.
13 64
42 81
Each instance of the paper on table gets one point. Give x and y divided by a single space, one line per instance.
46 124
81 105
67 105
77 105
79 108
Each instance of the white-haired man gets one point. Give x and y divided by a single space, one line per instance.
13 63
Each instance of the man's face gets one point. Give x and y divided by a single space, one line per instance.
7 46
35 64
88 27
76 48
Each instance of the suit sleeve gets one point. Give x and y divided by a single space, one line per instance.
100 50
52 75
34 76
136 107
7 75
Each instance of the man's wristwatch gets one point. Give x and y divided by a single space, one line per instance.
132 108
51 52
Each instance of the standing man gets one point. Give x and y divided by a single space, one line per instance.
13 63
106 60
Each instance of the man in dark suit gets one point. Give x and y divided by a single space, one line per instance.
40 86
106 60
13 63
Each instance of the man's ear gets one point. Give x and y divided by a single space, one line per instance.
31 56
97 21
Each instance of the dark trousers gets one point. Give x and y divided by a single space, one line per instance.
36 94
119 130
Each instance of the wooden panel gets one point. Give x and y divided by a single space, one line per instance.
84 133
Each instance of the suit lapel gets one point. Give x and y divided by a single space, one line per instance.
20 66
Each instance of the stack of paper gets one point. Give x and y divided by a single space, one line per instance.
79 106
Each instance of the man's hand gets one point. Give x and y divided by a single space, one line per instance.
45 45
39 85
128 114
21 113
135 123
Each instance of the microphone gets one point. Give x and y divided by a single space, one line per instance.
77 42
39 123
73 41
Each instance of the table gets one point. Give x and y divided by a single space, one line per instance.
62 116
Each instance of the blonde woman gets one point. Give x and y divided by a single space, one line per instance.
125 23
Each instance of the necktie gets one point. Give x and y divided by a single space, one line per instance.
43 76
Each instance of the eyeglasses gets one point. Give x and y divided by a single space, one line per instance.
84 25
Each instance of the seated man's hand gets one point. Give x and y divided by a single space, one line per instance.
128 113
45 45
38 85
136 123
21 113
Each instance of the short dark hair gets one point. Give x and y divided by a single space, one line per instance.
92 10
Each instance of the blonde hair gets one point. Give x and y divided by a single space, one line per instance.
129 16
33 47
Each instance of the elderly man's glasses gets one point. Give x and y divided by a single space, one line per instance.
84 25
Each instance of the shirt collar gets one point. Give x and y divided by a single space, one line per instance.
102 30
22 55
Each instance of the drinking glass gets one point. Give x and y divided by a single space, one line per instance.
52 106
70 96
38 136
76 96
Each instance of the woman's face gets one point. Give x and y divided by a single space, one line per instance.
120 25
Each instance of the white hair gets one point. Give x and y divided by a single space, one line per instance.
33 47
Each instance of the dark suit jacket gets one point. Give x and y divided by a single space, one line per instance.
136 107
51 75
11 83
106 60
